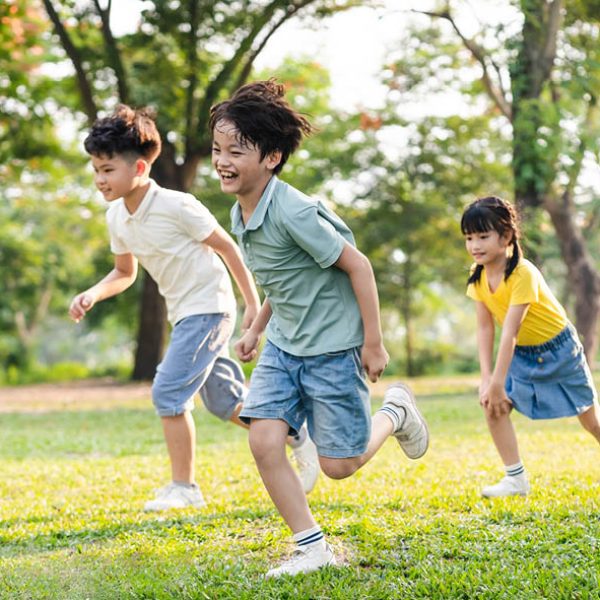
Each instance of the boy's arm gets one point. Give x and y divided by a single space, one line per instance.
510 328
246 347
358 268
118 280
220 241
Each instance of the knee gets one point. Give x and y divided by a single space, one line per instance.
338 468
265 447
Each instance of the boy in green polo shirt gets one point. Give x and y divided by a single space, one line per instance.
321 316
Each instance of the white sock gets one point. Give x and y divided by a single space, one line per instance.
515 470
309 537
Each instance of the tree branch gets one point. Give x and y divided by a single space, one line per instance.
244 48
246 69
112 52
192 60
496 92
85 89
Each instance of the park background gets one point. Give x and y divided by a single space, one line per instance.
420 108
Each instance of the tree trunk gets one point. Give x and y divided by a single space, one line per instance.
152 331
581 274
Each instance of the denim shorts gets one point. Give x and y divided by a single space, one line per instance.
551 380
328 390
197 361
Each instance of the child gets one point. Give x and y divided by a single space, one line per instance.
540 367
321 316
181 245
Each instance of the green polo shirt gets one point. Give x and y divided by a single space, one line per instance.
290 244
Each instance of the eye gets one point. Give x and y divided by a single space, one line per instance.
215 149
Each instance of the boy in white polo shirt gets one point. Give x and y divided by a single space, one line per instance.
181 245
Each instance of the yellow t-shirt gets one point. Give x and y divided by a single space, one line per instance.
545 318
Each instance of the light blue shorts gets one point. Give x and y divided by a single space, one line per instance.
197 361
551 380
328 390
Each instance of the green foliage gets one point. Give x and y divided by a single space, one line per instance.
74 481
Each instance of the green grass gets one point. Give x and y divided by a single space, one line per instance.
72 484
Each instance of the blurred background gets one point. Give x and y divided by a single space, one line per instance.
420 108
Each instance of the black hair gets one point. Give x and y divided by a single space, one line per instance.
263 118
493 214
127 131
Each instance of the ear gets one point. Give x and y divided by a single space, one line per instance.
141 167
273 159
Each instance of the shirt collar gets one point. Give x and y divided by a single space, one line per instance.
258 216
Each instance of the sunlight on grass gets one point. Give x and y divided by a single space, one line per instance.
74 483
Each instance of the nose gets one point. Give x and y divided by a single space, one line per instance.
99 178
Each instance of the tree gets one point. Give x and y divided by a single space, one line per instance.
183 57
545 80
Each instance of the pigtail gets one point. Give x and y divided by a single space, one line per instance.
476 275
513 261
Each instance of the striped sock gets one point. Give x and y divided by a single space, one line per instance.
308 537
514 470
392 414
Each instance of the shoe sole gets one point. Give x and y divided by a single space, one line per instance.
404 387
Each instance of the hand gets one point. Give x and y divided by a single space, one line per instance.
80 305
484 384
495 400
250 313
374 360
246 347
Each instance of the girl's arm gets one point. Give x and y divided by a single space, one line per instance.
246 347
496 394
220 241
485 343
117 281
357 266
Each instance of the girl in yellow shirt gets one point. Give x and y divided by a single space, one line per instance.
540 366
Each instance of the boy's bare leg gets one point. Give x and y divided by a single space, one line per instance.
590 420
339 468
267 441
180 436
505 438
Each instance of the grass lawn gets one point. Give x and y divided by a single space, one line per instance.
73 481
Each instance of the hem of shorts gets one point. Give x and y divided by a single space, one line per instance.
342 453
175 412
246 417
564 415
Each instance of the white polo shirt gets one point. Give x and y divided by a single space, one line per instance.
165 234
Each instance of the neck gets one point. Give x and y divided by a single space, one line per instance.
497 268
249 201
134 198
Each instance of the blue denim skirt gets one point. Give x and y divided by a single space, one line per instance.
551 380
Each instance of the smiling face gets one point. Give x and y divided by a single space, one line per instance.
117 176
239 166
487 247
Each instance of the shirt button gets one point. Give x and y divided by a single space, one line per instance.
540 359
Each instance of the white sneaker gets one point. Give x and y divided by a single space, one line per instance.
515 485
412 435
307 463
176 496
305 560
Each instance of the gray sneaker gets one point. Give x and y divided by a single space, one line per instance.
412 435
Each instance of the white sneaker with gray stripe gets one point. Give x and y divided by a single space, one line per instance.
410 427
